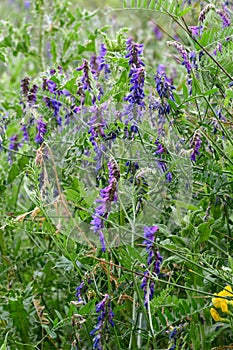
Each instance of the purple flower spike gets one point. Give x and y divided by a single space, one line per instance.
25 133
101 61
154 261
105 318
196 148
183 53
107 195
163 85
136 74
85 78
32 95
25 86
78 293
14 144
226 22
41 131
158 33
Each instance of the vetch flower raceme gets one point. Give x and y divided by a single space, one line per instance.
32 95
25 133
107 196
15 145
163 84
184 54
161 163
96 131
55 105
154 261
102 61
137 77
203 13
105 319
25 86
196 143
78 293
41 131
85 79
175 342
226 22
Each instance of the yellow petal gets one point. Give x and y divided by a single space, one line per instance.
226 292
217 302
224 306
215 315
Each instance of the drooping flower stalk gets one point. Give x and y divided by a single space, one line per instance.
204 11
226 22
105 319
184 54
107 196
154 261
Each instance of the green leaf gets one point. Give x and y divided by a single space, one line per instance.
161 317
205 230
3 347
13 173
64 264
210 92
183 12
53 51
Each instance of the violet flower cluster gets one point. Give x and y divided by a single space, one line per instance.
226 22
196 30
204 11
174 341
107 196
137 78
25 133
136 74
79 293
41 130
15 145
105 319
161 164
27 92
164 89
196 144
96 131
102 65
85 81
154 261
184 55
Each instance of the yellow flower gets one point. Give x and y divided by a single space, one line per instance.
221 303
214 313
227 292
